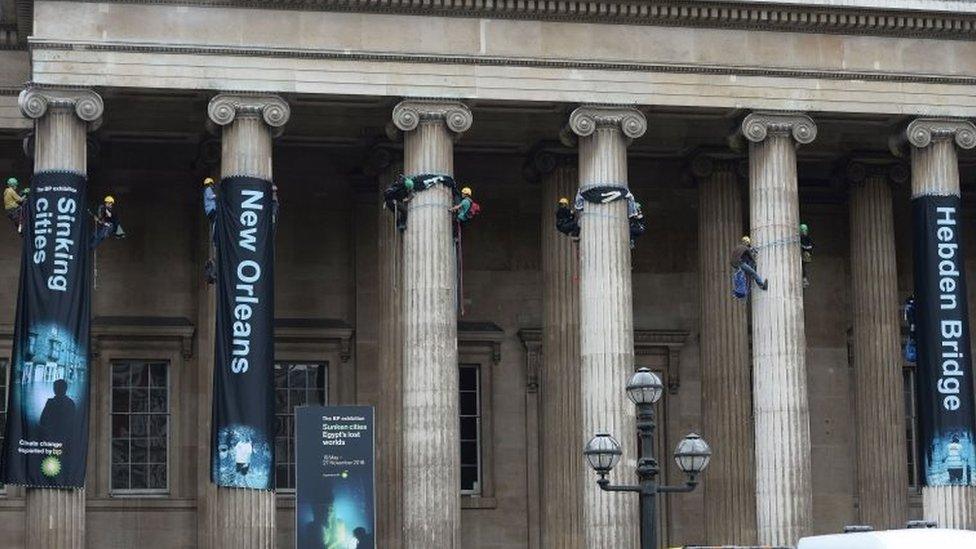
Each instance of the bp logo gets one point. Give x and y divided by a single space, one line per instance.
344 474
51 466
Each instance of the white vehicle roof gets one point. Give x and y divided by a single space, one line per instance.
915 538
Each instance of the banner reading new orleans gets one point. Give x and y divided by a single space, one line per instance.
243 399
945 384
46 440
334 477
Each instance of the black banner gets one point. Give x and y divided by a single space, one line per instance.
945 385
46 440
334 473
243 399
604 194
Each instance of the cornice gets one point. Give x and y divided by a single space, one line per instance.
501 61
820 19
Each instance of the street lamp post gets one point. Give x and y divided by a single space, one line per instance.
603 453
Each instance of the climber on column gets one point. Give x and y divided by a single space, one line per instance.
466 208
635 216
910 349
395 198
744 262
106 222
806 251
210 208
12 202
566 221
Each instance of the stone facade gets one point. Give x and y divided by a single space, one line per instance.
483 89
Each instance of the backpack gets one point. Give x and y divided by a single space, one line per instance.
740 285
474 210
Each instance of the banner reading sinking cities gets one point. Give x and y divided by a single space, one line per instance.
243 400
945 385
46 440
334 478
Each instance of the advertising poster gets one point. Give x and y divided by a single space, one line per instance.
945 384
46 440
243 400
334 477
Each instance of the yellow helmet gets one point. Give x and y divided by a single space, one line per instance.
208 181
466 191
109 200
746 240
564 201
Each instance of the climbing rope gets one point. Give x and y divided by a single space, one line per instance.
791 240
460 271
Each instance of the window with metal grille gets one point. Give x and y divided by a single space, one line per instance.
469 406
296 384
140 427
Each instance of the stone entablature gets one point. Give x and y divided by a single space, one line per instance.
377 54
863 17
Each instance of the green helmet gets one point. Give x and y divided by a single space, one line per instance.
804 229
408 183
12 182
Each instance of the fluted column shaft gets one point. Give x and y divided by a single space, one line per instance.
389 496
62 119
431 451
730 485
559 375
878 383
244 518
610 520
935 172
784 492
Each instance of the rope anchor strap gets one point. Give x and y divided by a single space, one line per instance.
792 240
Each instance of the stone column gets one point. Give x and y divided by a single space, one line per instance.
730 485
386 164
784 491
62 120
606 319
935 171
245 518
559 374
431 447
878 384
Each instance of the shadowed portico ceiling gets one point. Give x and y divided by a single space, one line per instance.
952 19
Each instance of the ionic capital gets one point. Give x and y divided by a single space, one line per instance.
379 159
544 158
224 108
408 114
586 119
922 131
705 163
759 125
35 102
859 170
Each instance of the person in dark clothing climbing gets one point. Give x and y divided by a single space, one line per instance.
744 258
566 222
636 220
806 251
210 209
107 222
395 198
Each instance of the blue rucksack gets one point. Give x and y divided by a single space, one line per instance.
740 284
